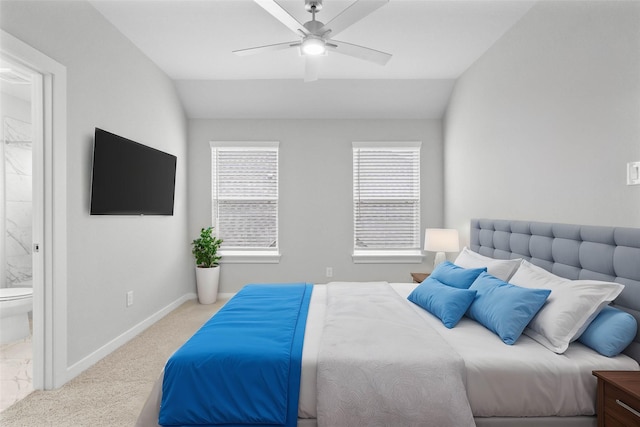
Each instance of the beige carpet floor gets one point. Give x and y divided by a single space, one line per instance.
112 392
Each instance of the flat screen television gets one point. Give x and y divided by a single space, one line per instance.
129 178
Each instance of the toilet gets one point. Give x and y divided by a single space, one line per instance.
15 305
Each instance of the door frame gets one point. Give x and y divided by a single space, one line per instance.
49 112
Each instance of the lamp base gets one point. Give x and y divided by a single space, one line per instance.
440 258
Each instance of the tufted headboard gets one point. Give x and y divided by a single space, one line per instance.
570 251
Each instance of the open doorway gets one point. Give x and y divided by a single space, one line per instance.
21 218
49 212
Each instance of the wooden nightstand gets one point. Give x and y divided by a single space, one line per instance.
419 277
618 398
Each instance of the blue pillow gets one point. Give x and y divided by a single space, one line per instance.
447 303
503 308
610 332
458 277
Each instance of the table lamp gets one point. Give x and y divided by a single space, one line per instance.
441 240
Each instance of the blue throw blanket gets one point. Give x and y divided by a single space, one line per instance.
243 366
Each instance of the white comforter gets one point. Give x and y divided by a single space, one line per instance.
524 379
379 364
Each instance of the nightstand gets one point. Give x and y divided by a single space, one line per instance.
419 277
618 398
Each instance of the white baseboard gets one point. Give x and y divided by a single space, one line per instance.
90 360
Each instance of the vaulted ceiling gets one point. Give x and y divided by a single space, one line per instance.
432 43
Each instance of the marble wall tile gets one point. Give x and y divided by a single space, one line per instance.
17 157
19 270
18 188
18 201
18 241
16 130
19 214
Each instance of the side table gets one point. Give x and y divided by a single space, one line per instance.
618 398
419 277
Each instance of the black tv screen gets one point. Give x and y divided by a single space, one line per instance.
130 178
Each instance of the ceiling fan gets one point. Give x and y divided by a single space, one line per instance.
316 38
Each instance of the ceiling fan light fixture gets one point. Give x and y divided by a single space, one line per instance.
312 45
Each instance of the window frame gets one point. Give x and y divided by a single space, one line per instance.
387 255
247 254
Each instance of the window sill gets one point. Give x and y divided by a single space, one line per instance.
387 257
249 257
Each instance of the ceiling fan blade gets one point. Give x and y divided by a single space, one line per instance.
355 12
283 16
361 52
311 68
267 48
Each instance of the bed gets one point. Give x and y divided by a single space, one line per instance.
523 384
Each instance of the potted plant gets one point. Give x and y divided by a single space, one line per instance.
205 250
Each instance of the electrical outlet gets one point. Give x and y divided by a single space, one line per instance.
329 271
129 298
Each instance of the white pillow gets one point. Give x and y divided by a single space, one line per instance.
571 306
503 269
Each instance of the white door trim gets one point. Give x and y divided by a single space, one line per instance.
51 300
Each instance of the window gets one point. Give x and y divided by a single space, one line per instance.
386 201
245 200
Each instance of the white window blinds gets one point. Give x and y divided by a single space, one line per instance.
245 194
386 196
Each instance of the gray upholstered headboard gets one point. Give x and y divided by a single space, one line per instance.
570 251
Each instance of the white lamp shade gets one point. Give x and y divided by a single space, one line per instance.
441 240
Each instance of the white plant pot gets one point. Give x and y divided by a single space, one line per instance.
207 280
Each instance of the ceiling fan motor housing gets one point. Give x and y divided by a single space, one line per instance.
314 27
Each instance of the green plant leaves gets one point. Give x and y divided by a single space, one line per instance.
205 248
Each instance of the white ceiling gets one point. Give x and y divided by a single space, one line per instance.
432 43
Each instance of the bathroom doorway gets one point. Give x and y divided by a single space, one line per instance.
49 131
21 219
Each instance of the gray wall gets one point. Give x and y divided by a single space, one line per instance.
541 127
316 214
110 85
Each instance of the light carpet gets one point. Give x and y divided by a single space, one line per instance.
113 391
